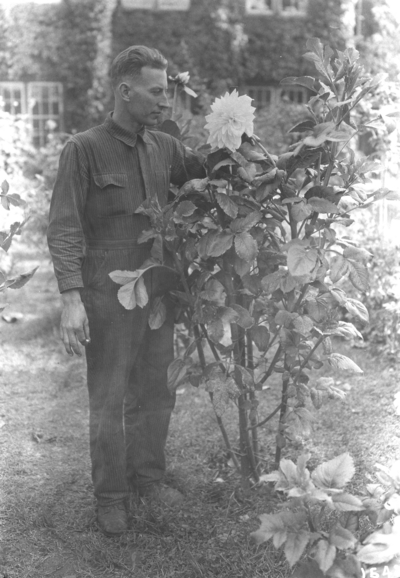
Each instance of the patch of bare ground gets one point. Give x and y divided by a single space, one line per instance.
47 518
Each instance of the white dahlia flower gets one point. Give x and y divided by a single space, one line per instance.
232 115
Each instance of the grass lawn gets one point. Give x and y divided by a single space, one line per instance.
47 519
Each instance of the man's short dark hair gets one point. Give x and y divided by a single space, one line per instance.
131 61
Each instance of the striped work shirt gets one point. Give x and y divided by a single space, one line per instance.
104 175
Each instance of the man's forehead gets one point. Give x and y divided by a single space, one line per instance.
152 77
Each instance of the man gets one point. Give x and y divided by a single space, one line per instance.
104 175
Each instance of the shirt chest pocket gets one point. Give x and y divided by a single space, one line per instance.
112 197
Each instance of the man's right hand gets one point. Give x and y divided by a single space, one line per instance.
74 326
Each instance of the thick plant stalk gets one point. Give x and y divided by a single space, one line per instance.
253 419
221 426
285 386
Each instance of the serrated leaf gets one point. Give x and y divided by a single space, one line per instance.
356 308
347 503
21 280
357 253
158 313
295 545
342 538
359 275
246 223
271 282
214 244
308 569
185 209
347 330
215 330
245 320
214 291
177 373
338 268
301 211
341 362
246 246
261 336
303 324
307 81
227 205
301 259
322 205
325 555
335 473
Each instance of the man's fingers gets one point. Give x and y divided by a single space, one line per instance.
86 330
73 342
65 340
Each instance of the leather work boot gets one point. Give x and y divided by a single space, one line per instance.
161 494
112 519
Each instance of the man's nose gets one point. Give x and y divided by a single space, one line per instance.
164 102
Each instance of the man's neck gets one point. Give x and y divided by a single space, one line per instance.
125 121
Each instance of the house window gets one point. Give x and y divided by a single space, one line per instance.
259 6
138 4
45 109
282 7
272 95
261 95
173 4
12 97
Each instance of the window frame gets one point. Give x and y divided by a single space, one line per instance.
41 116
277 9
10 85
275 94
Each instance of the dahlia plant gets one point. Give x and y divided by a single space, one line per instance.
259 248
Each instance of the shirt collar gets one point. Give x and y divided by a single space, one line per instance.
124 135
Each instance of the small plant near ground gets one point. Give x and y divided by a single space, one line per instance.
321 518
259 249
6 237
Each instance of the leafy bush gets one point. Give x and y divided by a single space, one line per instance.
259 250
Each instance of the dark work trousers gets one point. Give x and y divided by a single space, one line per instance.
130 405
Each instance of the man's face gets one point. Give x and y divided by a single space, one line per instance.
147 96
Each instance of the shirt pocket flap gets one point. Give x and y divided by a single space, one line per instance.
115 179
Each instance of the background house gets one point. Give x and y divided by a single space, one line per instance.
55 54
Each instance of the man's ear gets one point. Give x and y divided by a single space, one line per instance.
124 91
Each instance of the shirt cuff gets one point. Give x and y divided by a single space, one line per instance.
71 282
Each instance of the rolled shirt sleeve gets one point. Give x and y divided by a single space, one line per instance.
65 232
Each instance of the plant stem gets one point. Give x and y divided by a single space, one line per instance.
203 364
272 365
270 416
285 386
174 103
253 420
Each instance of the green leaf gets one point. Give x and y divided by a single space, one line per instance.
245 320
347 503
5 202
185 209
301 211
323 205
241 266
357 253
126 295
338 268
342 538
147 235
325 555
271 282
5 187
347 330
308 569
246 246
158 313
21 280
356 308
335 473
303 324
301 259
227 205
303 126
295 545
124 277
246 223
307 81
16 200
261 336
214 244
343 363
359 275
194 186
215 330
214 291
177 373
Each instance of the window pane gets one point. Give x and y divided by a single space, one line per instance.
45 108
45 93
55 108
